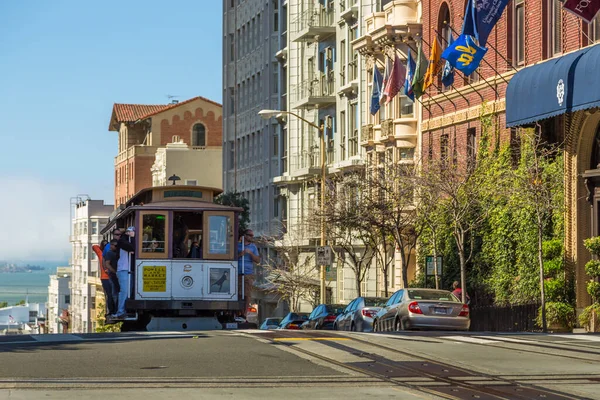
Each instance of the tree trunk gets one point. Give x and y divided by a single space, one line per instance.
435 266
358 285
459 236
541 265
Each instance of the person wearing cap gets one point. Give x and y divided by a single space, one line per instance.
126 249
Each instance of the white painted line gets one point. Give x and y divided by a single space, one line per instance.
513 340
588 337
469 339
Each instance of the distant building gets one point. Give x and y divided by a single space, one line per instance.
88 218
195 165
143 129
59 299
27 318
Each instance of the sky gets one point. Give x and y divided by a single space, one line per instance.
63 64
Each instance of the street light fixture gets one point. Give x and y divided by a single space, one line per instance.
266 114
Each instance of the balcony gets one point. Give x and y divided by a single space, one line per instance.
308 162
367 138
349 10
349 76
398 22
315 93
136 150
314 25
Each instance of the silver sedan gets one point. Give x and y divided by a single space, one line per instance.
358 315
422 309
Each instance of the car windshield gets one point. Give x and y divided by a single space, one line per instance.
375 301
335 308
439 295
272 321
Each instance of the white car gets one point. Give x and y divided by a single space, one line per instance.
252 314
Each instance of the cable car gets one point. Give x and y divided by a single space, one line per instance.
184 272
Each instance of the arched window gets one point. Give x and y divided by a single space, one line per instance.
444 23
199 135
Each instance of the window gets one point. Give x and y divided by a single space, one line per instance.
275 16
471 148
554 27
94 227
218 235
343 135
191 182
67 299
187 235
444 150
231 154
519 31
231 48
154 235
85 231
284 150
275 78
199 135
444 30
353 139
594 29
275 143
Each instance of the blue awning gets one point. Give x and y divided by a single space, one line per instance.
564 84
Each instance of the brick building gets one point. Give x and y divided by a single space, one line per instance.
528 33
143 129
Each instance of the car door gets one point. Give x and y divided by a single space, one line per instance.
398 307
347 317
390 309
355 315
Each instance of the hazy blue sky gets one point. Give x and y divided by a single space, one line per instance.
63 63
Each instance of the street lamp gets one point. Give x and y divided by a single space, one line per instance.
266 114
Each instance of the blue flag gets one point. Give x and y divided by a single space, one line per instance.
487 14
410 73
469 24
448 71
376 90
464 54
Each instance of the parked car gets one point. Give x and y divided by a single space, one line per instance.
323 316
293 321
270 323
359 314
422 309
252 314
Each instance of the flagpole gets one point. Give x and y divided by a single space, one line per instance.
486 61
492 47
438 88
464 76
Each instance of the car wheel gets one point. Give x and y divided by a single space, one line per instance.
399 325
353 327
375 326
335 327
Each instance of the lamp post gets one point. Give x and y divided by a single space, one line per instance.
266 114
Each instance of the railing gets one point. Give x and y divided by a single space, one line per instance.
307 159
314 17
387 128
367 133
517 318
316 87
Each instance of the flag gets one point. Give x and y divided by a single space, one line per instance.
487 13
410 73
11 320
396 80
376 90
470 23
420 68
386 77
464 54
584 9
434 64
448 71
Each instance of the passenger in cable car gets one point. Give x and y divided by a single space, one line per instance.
195 250
124 271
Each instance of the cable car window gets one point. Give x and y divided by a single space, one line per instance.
219 229
153 233
187 235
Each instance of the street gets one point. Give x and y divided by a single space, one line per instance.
252 364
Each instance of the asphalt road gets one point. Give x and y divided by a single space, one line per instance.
313 365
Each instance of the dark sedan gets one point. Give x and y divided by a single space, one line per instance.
293 320
323 316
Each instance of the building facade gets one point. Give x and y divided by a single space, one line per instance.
88 218
533 75
59 299
143 129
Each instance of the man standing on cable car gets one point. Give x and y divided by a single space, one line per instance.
248 255
126 249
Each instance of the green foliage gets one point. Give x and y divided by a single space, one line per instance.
593 289
593 311
235 199
593 245
3 304
592 268
102 326
558 313
20 303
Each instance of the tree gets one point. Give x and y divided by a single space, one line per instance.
235 199
347 217
102 326
20 303
3 304
537 185
390 199
290 271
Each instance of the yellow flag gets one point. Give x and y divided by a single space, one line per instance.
434 64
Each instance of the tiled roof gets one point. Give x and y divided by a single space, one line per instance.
134 112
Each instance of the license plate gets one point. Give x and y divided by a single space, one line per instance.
231 325
438 310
